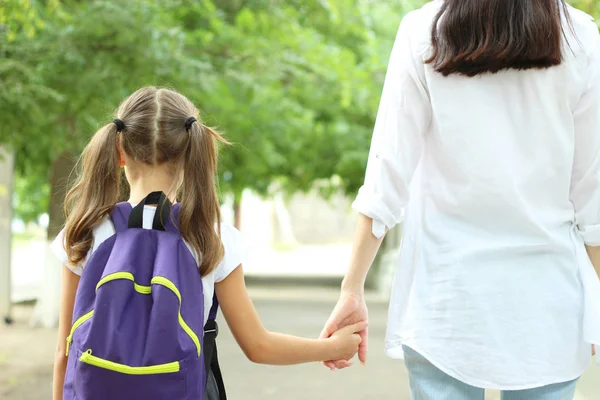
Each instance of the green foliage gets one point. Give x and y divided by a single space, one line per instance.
59 85
22 16
302 82
591 7
294 84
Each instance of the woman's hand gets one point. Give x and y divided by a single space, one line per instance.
346 341
350 309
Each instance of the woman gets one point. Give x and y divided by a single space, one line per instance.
490 121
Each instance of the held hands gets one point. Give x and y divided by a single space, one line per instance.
347 340
349 313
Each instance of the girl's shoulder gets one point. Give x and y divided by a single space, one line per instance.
233 246
101 232
230 237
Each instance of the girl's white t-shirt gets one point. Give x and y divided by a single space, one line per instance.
230 236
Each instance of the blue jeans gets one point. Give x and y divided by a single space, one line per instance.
429 383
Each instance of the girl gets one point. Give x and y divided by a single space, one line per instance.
488 135
163 148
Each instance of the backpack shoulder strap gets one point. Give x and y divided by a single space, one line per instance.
211 356
214 309
120 216
172 224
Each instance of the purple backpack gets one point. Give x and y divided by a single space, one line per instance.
138 330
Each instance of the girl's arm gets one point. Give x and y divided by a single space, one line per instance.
70 281
264 347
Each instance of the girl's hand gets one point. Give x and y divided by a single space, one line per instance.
350 309
347 340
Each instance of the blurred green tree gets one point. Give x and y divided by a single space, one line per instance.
294 84
591 7
61 83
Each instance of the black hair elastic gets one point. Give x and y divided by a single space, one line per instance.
189 122
120 124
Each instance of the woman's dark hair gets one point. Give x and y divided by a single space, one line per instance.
472 37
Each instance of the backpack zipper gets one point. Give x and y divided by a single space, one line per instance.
76 325
89 359
159 280
128 276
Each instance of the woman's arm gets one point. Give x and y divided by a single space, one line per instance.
594 253
264 347
351 307
402 121
364 250
585 176
70 282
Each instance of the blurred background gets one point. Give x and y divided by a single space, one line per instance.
294 84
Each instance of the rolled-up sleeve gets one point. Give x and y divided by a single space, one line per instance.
585 181
403 118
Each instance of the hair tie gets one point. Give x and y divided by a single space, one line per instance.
120 124
189 122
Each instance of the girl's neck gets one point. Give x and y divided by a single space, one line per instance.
151 180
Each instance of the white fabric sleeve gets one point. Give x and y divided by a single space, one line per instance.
234 252
585 180
403 118
58 249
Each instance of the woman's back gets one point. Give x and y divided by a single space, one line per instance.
504 185
500 149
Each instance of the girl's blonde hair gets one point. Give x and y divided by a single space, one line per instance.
155 133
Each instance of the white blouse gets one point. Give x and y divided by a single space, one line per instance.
497 180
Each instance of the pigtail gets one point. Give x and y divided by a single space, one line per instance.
94 194
200 208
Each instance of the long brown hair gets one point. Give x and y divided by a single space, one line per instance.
155 134
471 37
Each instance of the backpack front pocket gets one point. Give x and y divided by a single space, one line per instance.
100 379
80 321
90 359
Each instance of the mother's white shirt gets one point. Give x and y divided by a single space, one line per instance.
498 177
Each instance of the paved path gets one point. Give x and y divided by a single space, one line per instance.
26 355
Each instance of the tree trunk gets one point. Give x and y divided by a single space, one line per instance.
237 211
47 307
283 222
6 191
